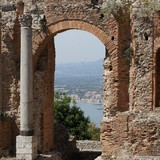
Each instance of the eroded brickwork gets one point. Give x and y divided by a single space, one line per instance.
130 119
136 133
5 134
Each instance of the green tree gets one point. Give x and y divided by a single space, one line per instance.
94 132
70 115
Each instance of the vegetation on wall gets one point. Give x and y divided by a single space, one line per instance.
4 116
120 10
127 53
72 117
110 7
116 8
148 7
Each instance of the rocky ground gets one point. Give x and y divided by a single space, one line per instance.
77 156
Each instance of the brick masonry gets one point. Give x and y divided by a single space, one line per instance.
5 134
131 84
87 145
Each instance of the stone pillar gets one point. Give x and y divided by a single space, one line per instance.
141 68
26 77
26 142
0 68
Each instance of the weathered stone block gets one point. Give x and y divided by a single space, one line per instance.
26 148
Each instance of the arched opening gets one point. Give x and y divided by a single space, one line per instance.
79 69
157 79
44 65
79 74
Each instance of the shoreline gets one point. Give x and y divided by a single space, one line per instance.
78 101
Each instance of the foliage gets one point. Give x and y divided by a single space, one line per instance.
71 116
43 24
128 52
4 116
120 10
149 7
94 132
111 7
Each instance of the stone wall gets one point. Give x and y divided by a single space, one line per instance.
105 30
43 99
131 82
6 137
141 70
86 145
138 134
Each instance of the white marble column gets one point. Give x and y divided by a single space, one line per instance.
26 142
26 77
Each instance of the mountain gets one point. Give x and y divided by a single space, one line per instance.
94 68
79 78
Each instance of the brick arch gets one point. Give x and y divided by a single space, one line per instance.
41 39
75 24
43 45
156 45
110 41
61 26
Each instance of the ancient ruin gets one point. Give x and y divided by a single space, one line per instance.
130 31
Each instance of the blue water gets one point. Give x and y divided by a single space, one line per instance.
94 111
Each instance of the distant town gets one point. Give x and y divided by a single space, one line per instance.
88 97
82 82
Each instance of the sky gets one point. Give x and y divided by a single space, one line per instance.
74 46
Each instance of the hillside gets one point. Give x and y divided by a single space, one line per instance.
80 79
94 68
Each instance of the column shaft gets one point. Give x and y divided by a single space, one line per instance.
26 77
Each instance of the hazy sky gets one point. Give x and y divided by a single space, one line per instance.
78 46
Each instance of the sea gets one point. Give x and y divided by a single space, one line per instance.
93 111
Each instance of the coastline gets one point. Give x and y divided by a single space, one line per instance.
88 102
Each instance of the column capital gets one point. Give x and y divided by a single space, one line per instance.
25 20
